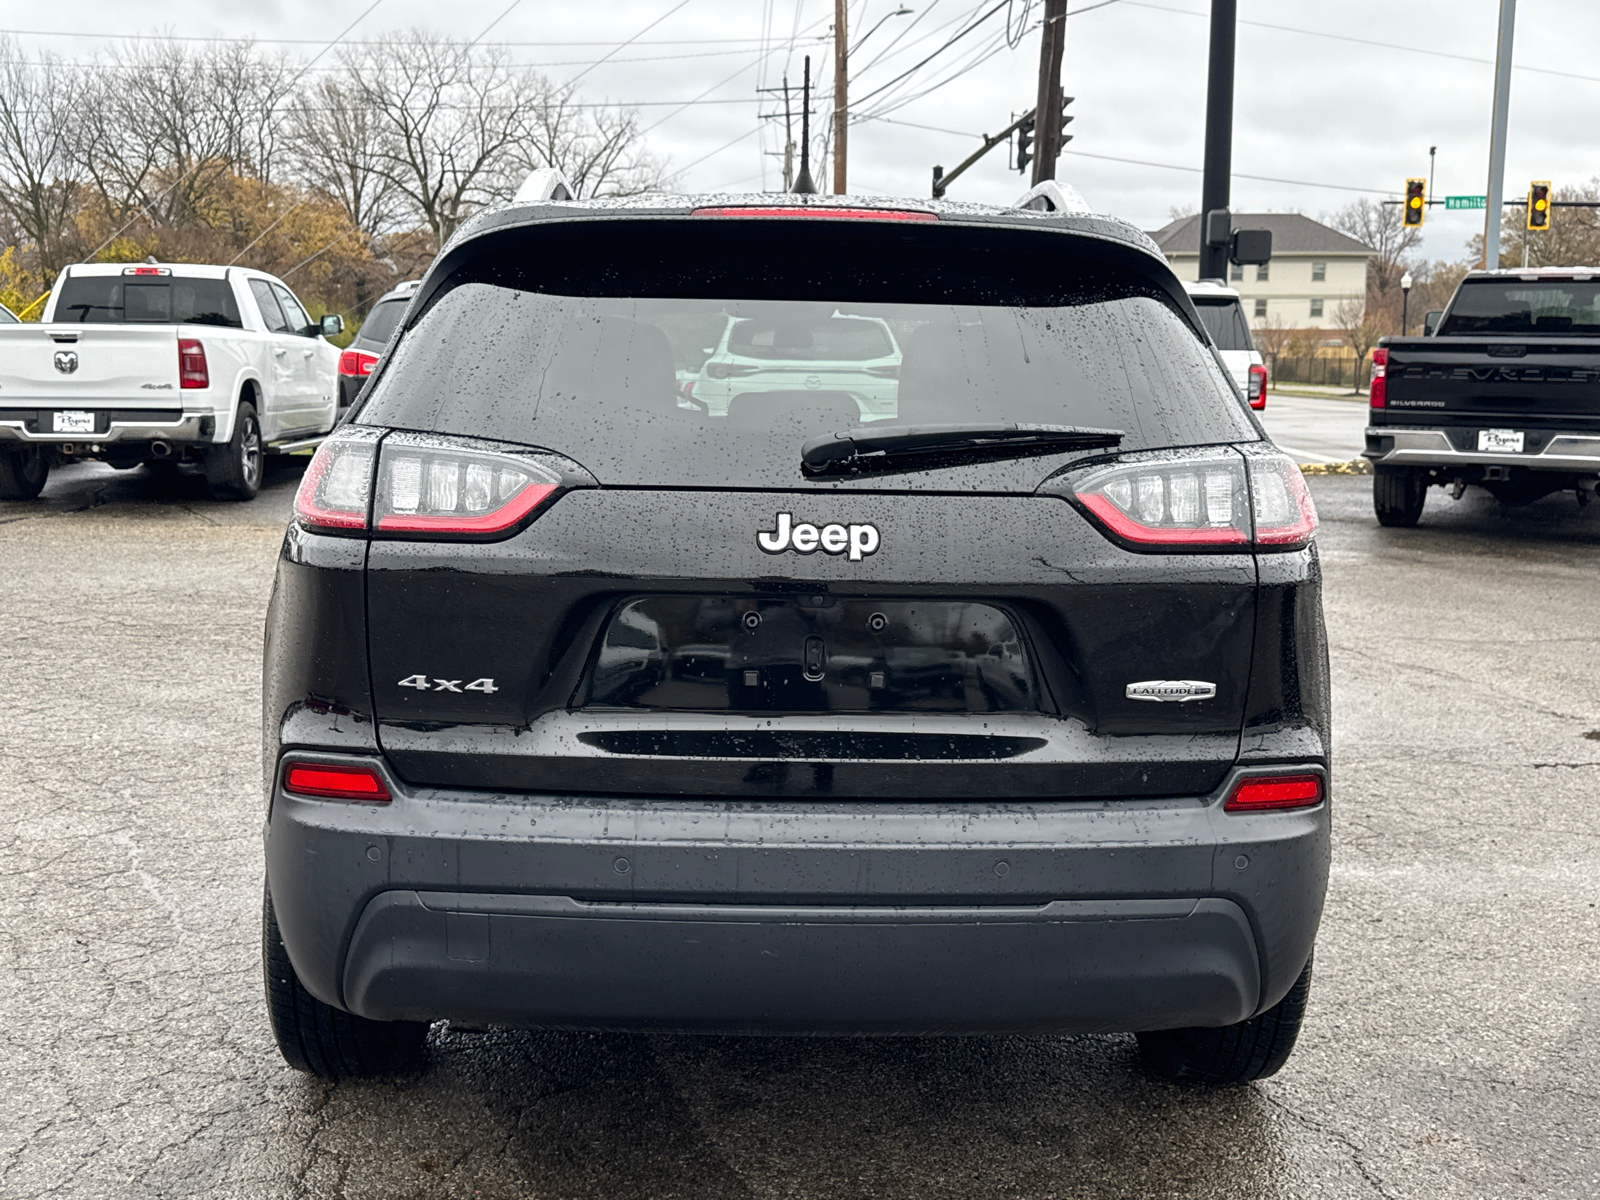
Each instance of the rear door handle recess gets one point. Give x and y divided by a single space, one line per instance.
814 658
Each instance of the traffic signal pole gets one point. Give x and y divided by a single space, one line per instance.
1215 183
1497 136
1052 49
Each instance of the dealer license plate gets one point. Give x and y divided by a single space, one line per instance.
1500 441
74 422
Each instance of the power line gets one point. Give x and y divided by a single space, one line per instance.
630 41
269 41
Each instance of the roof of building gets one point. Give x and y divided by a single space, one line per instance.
1292 233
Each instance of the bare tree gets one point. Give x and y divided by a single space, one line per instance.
450 118
598 151
337 146
1382 227
1361 329
1572 239
1273 337
38 191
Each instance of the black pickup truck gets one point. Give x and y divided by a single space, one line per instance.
1504 394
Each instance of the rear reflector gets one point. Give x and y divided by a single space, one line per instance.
1258 793
192 370
1205 502
335 783
1378 389
820 210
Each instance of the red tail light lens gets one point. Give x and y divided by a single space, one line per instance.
1258 387
438 488
821 210
335 783
357 363
1262 793
1378 389
1210 502
336 491
192 371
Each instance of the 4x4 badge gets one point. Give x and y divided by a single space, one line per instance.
859 540
1172 691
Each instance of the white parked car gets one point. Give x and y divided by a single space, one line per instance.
156 363
822 353
1222 314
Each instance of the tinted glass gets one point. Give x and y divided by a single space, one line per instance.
271 314
829 339
292 312
1557 307
5 316
111 300
1224 321
379 326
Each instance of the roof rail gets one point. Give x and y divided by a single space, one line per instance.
1051 196
543 186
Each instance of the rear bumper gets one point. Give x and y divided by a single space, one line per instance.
35 427
1404 445
793 916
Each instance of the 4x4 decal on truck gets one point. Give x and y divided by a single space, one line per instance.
860 540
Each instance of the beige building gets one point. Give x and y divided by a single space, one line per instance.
1314 269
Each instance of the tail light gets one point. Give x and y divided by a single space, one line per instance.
1263 793
335 783
336 491
1209 502
192 371
357 363
1378 389
719 370
1258 387
441 488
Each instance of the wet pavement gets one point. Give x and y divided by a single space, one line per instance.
1317 429
1452 1047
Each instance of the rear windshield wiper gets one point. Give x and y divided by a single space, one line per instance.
884 446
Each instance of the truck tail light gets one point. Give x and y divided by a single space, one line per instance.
1203 502
1258 387
441 488
335 783
1261 793
1378 389
192 371
336 491
357 363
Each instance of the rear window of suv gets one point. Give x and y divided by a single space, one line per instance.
378 328
113 300
1558 306
618 381
1224 321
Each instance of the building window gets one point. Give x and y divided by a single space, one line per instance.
1316 308
1261 309
1261 273
1236 273
1319 272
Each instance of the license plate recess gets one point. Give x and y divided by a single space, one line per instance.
811 654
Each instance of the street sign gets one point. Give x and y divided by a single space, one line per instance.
1454 202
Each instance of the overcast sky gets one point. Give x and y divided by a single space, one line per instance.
1312 105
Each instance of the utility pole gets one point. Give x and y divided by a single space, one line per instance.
1047 131
1216 182
1497 137
841 94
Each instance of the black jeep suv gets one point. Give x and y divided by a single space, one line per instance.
994 700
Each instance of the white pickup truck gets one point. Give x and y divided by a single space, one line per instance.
161 364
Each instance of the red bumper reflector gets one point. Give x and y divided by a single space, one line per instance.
335 783
821 210
1277 791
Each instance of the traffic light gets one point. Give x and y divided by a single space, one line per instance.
1024 144
1416 201
1066 118
1539 204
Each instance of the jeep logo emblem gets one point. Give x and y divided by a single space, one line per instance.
66 361
859 540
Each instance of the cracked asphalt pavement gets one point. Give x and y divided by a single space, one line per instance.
1452 1047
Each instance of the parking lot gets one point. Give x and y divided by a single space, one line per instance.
1449 1052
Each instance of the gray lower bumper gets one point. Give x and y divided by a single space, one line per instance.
667 913
1406 446
109 429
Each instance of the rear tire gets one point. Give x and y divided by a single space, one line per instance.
1233 1054
1398 494
322 1040
233 470
23 473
